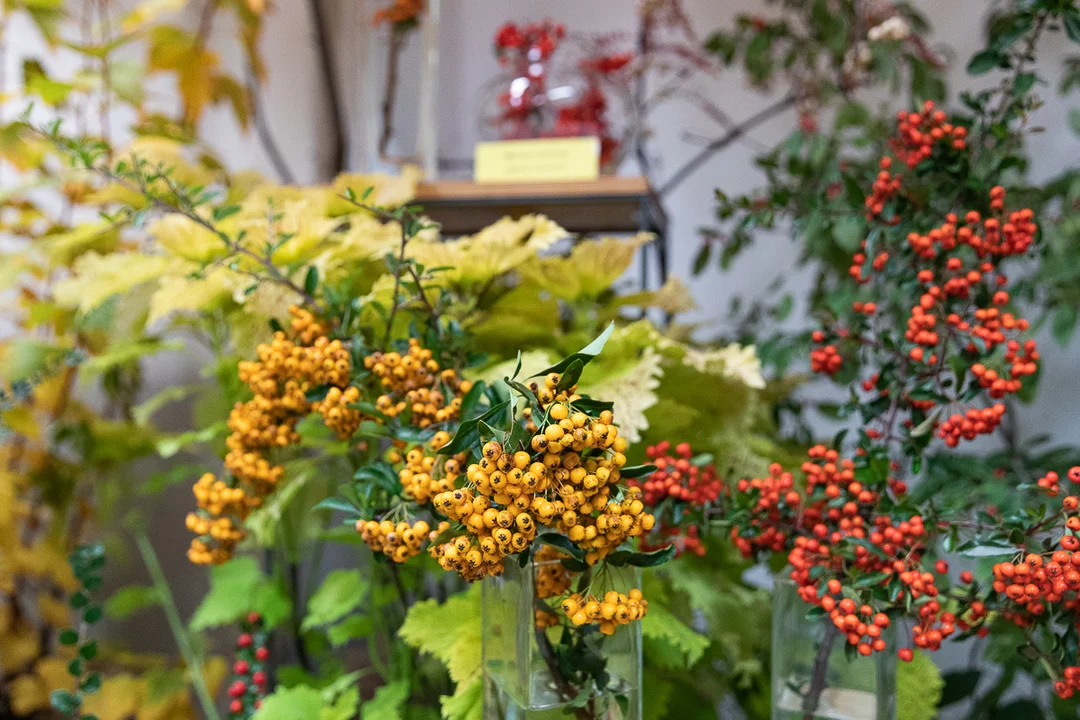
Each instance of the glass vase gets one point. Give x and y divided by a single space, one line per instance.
399 89
814 675
547 91
523 676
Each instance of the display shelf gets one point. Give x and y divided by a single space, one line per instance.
605 205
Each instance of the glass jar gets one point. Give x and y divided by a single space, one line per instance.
546 90
810 657
523 676
399 87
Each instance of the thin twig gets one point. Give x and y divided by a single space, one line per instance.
326 61
172 615
819 676
691 166
262 128
393 57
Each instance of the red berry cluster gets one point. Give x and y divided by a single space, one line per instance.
534 42
918 132
249 670
678 478
826 359
676 491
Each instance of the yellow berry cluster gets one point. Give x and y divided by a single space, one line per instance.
399 541
566 482
552 579
614 609
420 478
287 368
336 412
414 381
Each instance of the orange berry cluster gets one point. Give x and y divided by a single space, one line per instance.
565 482
974 422
861 625
336 412
287 368
425 476
400 12
551 578
826 359
677 478
397 541
614 609
413 381
918 132
886 185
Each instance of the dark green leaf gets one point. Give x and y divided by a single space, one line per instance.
983 62
584 355
635 471
311 280
641 559
562 543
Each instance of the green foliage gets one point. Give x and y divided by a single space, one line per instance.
661 624
341 592
919 686
450 631
291 703
387 703
237 588
130 599
87 562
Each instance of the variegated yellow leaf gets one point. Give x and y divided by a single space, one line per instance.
98 277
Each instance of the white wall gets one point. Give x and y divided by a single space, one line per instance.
297 115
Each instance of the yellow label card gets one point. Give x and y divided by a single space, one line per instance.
547 159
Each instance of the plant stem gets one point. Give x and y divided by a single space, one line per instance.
784 103
176 625
821 667
393 54
547 653
326 61
262 129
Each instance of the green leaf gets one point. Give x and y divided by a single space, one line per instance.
129 600
468 433
69 637
237 588
620 558
636 471
562 543
1063 323
467 702
386 705
340 593
142 412
311 280
91 683
919 687
584 355
983 62
292 703
1072 24
224 211
351 628
849 232
450 632
65 701
344 707
661 624
1024 82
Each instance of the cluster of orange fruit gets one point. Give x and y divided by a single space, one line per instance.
287 368
509 493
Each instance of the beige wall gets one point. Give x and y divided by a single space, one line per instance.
294 99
